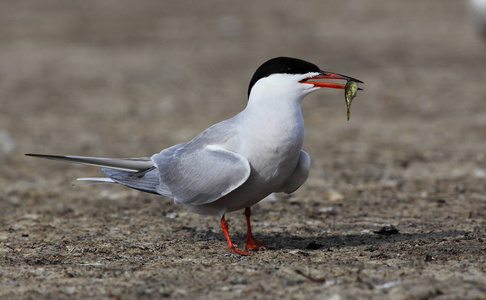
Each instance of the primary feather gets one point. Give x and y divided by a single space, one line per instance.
123 164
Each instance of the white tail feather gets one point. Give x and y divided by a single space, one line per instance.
93 180
97 179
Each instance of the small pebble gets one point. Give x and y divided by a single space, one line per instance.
387 230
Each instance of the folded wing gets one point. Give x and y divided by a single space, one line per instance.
200 174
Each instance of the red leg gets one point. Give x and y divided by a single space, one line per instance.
224 226
251 243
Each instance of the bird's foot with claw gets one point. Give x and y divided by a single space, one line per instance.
252 244
236 251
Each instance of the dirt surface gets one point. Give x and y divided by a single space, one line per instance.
129 78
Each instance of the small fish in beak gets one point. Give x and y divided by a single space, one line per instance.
350 91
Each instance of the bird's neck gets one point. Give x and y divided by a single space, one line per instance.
275 119
271 135
274 108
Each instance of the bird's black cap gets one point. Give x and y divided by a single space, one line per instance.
282 65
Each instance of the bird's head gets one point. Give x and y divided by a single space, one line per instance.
291 77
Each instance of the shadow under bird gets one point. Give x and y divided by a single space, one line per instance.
236 163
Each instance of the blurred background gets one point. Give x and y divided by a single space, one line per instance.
130 78
124 78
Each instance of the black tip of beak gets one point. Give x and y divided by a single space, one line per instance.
360 89
354 79
340 76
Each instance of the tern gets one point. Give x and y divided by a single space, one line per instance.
236 163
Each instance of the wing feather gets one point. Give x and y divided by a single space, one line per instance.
200 175
146 180
123 164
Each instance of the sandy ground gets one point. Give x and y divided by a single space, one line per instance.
129 78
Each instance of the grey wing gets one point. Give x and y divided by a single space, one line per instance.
136 173
299 176
146 181
124 164
200 174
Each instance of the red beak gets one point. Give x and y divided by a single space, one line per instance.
329 75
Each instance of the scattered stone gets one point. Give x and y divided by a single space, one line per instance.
171 215
333 195
313 246
428 258
331 210
387 230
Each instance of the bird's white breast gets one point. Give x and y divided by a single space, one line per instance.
272 139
